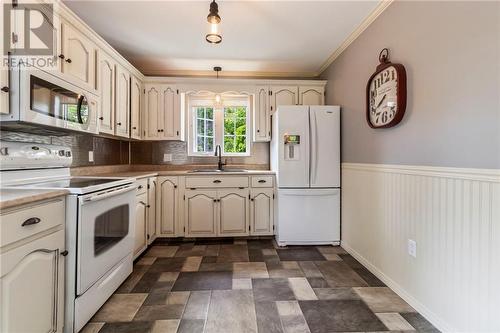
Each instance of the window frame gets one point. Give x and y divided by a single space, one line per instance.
194 101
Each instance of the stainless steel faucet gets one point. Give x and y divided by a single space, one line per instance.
218 153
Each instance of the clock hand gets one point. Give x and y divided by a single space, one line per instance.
381 101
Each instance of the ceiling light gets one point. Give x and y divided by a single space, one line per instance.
213 18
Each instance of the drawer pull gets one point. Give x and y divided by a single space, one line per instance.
31 221
64 253
140 187
262 181
217 181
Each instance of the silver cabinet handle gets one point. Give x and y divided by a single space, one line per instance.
31 221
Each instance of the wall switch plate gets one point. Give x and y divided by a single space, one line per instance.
91 156
412 248
167 157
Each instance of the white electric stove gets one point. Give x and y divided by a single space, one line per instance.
99 223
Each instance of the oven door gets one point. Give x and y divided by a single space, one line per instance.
48 100
105 233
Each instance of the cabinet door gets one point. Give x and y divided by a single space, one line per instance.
151 209
170 116
200 213
233 212
135 107
311 95
79 56
261 211
32 286
262 115
168 206
283 95
122 113
152 112
141 238
106 85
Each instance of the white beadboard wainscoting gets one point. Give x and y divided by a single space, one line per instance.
454 217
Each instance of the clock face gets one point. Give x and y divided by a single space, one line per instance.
383 97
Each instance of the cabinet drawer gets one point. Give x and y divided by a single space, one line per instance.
142 185
37 218
216 181
262 181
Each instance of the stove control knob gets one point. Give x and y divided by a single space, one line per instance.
68 153
61 152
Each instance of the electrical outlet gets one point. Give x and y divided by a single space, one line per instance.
167 157
91 156
412 248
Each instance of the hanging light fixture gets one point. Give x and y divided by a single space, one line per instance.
218 98
213 19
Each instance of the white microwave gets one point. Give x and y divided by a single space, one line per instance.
44 102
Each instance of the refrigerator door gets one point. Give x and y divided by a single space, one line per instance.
308 216
293 146
325 146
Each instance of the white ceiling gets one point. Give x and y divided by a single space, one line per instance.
264 38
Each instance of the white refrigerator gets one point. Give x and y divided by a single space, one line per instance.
305 154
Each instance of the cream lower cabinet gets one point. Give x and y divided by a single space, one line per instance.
167 210
152 185
261 211
233 212
141 235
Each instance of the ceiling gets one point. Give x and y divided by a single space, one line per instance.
260 38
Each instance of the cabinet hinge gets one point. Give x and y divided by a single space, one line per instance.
273 195
149 186
271 108
184 229
144 90
14 3
148 236
248 196
184 197
177 91
248 228
14 37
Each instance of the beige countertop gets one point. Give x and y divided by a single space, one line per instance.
146 174
15 197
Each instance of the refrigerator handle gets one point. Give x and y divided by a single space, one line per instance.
313 164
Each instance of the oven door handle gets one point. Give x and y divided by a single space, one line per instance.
104 195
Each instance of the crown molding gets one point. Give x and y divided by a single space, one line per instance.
381 7
228 74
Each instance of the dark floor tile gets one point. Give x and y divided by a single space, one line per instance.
216 267
258 244
146 283
339 274
159 312
127 327
271 290
362 271
167 265
317 282
155 298
233 253
340 316
419 322
268 320
255 255
191 326
300 254
203 281
209 260
342 293
214 241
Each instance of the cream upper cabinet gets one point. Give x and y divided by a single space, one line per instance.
261 211
135 107
106 86
168 206
78 56
262 115
32 286
152 112
311 95
233 212
152 182
122 113
200 213
284 95
141 239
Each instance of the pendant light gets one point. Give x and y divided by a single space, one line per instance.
218 98
213 19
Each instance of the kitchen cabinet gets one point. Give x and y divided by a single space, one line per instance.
135 107
32 282
168 206
311 95
122 112
262 115
261 211
141 236
201 213
78 56
233 212
106 86
163 114
284 95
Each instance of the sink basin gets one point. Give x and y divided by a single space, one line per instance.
216 170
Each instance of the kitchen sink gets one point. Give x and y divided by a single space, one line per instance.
216 170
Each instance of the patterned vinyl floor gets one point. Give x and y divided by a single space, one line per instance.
232 286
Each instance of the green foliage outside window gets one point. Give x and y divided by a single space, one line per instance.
235 128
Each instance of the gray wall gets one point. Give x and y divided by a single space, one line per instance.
451 51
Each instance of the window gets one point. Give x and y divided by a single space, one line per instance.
225 124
